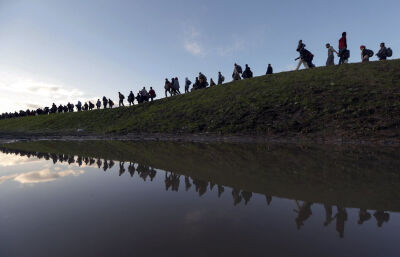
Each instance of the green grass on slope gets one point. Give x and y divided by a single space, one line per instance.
357 99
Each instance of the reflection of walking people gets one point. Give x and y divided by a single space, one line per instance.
304 212
341 218
363 216
381 217
328 214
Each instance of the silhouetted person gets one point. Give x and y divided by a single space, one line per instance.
304 212
131 168
187 85
98 104
328 215
343 53
131 98
152 174
188 185
111 164
212 83
381 217
79 160
152 94
363 216
221 78
247 73
121 99
269 70
121 168
246 196
99 162
105 102
237 198
105 166
237 70
341 218
382 53
269 199
110 103
221 189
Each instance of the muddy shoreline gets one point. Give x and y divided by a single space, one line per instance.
202 138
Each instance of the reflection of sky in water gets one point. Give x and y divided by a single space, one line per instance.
72 210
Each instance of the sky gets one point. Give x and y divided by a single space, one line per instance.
64 50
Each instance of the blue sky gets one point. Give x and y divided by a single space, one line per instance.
69 50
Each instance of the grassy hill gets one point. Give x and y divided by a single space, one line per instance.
351 101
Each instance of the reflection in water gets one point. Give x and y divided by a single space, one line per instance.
172 181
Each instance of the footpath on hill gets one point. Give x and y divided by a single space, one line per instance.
353 103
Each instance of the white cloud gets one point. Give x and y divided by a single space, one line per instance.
40 176
20 92
192 42
193 48
231 49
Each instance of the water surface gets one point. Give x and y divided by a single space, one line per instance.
179 199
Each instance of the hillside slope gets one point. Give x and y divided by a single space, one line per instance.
352 101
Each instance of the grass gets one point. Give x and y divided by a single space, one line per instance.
354 100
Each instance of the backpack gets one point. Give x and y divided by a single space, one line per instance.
222 78
370 53
389 52
239 69
346 54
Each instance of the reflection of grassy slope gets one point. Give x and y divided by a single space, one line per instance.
354 100
355 178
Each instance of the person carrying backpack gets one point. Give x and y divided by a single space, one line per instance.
237 70
300 48
98 104
344 54
187 85
110 103
121 99
247 74
105 102
221 78
384 52
365 54
131 98
152 94
269 70
331 58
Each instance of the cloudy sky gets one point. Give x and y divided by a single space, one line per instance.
65 50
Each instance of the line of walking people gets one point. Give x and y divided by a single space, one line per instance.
172 87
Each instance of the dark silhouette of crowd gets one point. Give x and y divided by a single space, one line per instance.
172 86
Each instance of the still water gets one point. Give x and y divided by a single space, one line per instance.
179 199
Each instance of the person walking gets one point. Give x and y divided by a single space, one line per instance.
343 53
121 99
110 103
365 54
382 54
105 102
300 48
176 85
237 70
331 58
187 85
269 70
152 94
221 78
98 104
